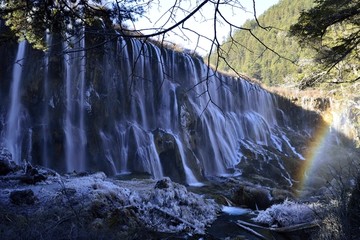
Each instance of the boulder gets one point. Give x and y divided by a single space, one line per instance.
163 183
6 163
32 175
21 197
280 195
253 197
170 156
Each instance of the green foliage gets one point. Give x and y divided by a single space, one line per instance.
300 64
246 54
314 24
31 19
332 27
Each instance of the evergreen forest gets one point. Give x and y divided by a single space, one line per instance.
268 53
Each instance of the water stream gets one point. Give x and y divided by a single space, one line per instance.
14 136
112 103
74 126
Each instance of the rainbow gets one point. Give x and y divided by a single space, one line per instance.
314 156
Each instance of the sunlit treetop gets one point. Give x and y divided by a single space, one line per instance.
332 27
30 19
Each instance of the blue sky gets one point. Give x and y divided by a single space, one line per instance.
202 22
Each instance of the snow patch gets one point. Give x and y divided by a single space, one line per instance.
286 214
162 206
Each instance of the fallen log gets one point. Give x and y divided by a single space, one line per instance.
28 179
251 231
292 228
180 220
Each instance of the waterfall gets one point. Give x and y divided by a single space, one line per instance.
46 118
82 106
74 126
106 142
190 177
154 160
132 107
15 113
29 145
124 148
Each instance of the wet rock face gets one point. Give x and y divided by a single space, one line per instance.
298 118
347 118
129 106
169 155
6 163
319 104
164 141
280 168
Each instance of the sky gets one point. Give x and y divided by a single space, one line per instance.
158 16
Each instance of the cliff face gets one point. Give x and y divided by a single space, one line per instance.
348 121
340 113
128 106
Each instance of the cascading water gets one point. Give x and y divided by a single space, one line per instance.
83 140
45 119
130 106
75 105
190 177
14 129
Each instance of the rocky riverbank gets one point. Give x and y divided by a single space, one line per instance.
37 203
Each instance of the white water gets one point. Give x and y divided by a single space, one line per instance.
113 108
106 142
146 156
74 126
13 130
82 106
123 148
68 127
29 145
46 119
154 159
291 147
234 210
190 177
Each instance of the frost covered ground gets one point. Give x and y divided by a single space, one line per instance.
287 214
96 207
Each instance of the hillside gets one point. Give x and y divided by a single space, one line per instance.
294 67
244 53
